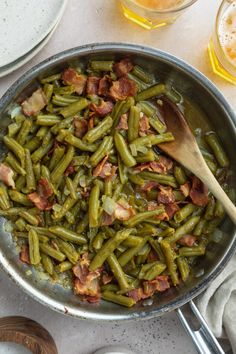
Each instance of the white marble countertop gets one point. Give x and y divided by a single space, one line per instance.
101 21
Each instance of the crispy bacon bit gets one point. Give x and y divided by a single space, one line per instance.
104 86
92 85
107 219
154 166
144 126
166 195
148 186
185 189
98 169
71 77
81 127
112 174
123 122
70 169
123 88
161 283
106 278
91 123
123 67
171 209
187 240
24 254
40 198
105 169
6 175
152 205
138 294
168 163
152 256
34 103
123 210
86 282
198 192
103 109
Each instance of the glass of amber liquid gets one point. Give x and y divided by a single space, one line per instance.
152 14
222 46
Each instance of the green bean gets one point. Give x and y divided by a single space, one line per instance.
192 251
162 179
20 183
65 123
102 150
51 78
82 224
151 92
123 150
136 179
34 248
180 175
212 225
140 217
64 266
20 224
52 252
47 264
80 144
141 85
41 231
19 198
209 213
184 229
184 212
183 268
63 101
219 211
213 142
199 228
126 256
98 241
156 269
162 138
30 178
169 231
68 235
157 248
13 129
118 299
11 160
47 120
42 132
133 123
94 205
99 131
122 172
33 144
16 148
108 187
48 91
149 156
132 241
33 220
170 261
68 250
142 74
110 287
62 165
101 65
109 247
71 188
173 95
24 131
11 211
74 108
40 152
117 271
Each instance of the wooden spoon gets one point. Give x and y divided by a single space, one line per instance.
185 150
24 331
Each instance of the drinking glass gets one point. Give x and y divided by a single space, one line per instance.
152 14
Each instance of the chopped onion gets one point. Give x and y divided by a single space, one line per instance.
14 110
109 205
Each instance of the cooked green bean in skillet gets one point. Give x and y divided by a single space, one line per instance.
92 198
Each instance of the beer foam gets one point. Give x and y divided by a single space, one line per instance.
227 33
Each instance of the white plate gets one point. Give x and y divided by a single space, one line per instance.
24 24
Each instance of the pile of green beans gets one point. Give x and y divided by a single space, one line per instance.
134 249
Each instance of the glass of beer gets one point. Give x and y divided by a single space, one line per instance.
222 46
152 14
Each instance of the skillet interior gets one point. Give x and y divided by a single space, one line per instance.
192 85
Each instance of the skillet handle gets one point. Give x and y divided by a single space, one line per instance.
197 328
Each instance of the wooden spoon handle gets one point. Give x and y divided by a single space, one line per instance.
27 332
203 172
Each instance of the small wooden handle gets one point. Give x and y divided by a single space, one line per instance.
24 331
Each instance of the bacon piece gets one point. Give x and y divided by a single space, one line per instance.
123 210
137 294
123 88
152 205
105 169
161 283
106 278
70 169
154 166
123 122
92 85
104 86
34 103
168 163
166 195
24 254
86 282
187 240
81 127
40 198
107 219
171 209
98 169
144 126
103 109
185 189
152 257
91 123
71 77
123 67
6 175
148 186
112 173
198 192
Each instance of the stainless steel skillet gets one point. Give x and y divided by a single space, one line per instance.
221 117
